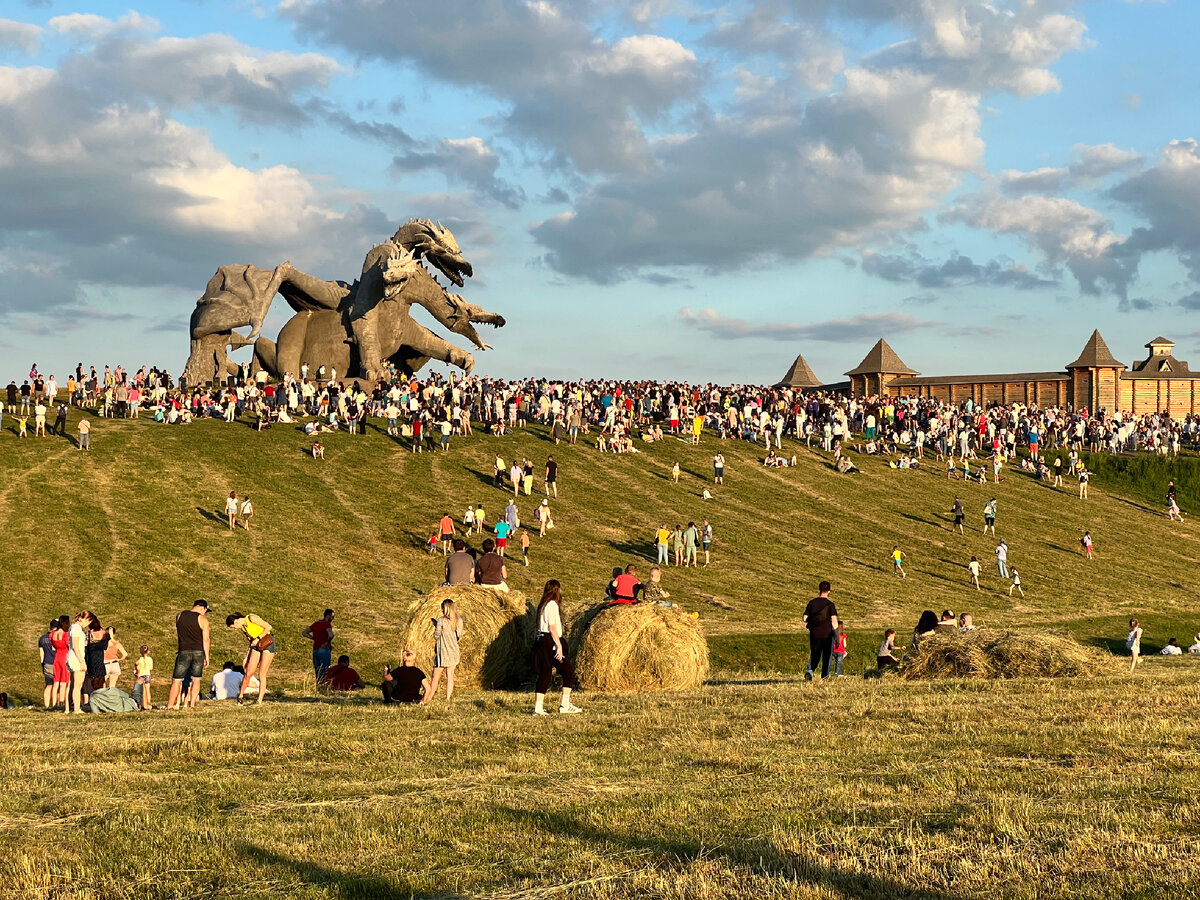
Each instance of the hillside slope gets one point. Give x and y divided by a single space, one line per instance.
133 530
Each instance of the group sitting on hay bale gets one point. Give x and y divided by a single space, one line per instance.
950 648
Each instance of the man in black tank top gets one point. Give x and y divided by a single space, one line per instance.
191 629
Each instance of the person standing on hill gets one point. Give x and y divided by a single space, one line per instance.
1086 543
959 514
821 620
85 433
662 542
989 517
1133 642
1002 558
447 632
1084 477
551 483
550 654
719 468
706 539
675 474
974 568
898 561
191 658
690 539
46 655
677 544
446 533
231 509
501 528
320 633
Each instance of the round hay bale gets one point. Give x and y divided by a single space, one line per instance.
645 647
497 634
995 653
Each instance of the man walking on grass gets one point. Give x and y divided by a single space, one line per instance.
820 618
1002 558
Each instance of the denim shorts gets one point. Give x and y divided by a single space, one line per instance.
188 662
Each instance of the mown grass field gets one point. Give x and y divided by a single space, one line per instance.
756 785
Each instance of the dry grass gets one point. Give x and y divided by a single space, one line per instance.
497 634
646 647
1081 788
996 653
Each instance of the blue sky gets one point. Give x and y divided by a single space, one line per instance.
653 188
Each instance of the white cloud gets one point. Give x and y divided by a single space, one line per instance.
1064 231
20 35
864 326
91 27
1167 195
127 195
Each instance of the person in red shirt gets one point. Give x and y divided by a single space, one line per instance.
320 633
626 587
341 677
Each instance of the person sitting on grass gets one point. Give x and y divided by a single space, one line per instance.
1172 648
340 677
966 622
1195 647
406 684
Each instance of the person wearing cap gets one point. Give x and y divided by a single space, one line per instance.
1002 558
191 658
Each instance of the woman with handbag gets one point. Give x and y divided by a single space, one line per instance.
260 654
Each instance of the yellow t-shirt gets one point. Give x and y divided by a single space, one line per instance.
897 555
663 536
145 665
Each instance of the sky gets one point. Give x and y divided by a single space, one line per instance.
646 189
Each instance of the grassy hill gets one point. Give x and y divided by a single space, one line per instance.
757 785
134 531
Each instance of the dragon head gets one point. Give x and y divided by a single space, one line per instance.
430 241
398 266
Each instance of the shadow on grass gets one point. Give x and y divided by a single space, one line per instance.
936 523
636 550
213 516
343 884
753 855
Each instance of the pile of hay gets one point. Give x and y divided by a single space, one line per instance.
994 653
645 647
497 634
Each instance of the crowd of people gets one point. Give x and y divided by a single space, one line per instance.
81 660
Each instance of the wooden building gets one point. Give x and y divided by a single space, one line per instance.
1095 380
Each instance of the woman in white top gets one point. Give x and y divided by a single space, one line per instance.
1133 642
231 509
550 651
76 660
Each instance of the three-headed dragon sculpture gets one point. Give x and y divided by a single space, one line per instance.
356 329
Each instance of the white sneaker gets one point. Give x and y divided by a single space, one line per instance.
540 712
569 709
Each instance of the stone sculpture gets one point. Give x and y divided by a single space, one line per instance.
355 329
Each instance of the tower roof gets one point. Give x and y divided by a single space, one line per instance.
882 360
1096 355
1160 341
800 375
